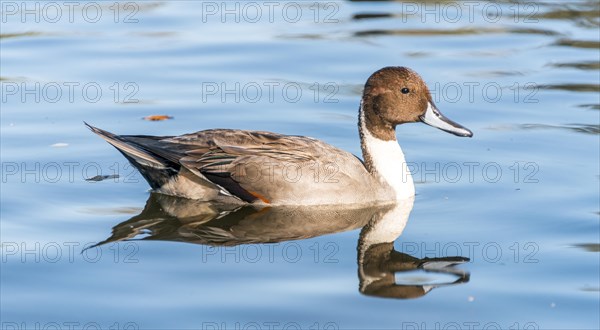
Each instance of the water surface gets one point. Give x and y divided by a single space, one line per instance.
520 199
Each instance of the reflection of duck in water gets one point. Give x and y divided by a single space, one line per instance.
169 218
378 262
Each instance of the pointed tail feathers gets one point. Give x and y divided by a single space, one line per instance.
155 169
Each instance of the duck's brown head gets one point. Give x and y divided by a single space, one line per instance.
398 95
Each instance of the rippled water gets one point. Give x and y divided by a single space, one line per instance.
520 200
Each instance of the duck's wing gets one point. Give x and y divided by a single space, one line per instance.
256 165
249 165
206 146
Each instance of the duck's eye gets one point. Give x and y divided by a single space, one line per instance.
405 90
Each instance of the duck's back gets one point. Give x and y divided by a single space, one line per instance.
250 166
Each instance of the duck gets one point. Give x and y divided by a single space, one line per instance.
233 166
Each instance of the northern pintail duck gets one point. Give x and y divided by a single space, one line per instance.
239 166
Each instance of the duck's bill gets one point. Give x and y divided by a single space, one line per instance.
433 117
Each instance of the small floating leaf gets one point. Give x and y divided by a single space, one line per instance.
157 117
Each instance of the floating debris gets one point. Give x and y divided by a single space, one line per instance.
157 117
102 177
59 145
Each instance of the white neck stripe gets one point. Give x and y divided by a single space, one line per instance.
388 162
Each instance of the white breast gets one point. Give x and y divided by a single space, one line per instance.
389 163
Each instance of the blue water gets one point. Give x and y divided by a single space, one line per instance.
521 199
